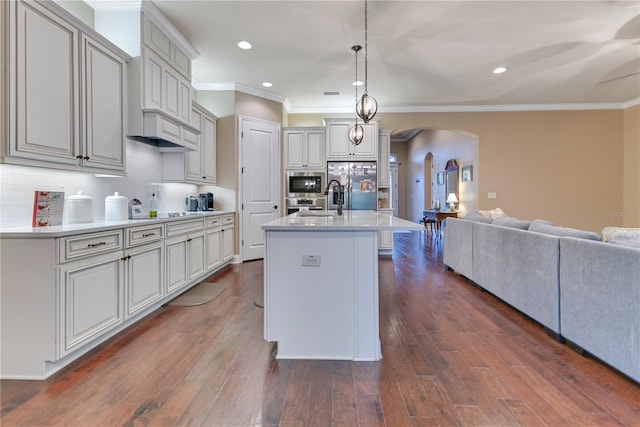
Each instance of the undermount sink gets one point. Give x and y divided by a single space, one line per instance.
325 214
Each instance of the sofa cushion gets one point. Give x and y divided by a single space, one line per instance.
609 233
493 213
631 241
477 217
508 221
545 227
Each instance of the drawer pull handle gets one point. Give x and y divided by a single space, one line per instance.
188 240
148 234
93 245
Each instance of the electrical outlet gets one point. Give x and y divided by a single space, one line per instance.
311 260
492 195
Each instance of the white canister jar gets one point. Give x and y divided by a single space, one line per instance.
116 207
79 208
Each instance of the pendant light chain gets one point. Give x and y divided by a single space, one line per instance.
367 106
366 50
356 133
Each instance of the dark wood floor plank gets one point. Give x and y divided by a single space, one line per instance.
452 355
343 401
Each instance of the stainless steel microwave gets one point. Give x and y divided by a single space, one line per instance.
306 184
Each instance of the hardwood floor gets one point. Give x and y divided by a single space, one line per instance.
452 355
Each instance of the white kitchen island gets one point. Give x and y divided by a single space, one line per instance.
321 284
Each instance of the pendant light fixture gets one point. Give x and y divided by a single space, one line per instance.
356 133
367 106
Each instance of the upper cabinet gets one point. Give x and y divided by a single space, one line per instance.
198 166
384 150
67 109
304 148
340 148
159 75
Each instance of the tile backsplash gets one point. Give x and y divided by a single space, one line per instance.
18 183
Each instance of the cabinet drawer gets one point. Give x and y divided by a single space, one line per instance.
227 219
214 222
140 235
74 247
182 227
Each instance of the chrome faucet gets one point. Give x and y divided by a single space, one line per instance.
339 192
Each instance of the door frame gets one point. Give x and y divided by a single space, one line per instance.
240 196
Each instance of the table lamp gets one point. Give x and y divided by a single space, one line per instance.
452 200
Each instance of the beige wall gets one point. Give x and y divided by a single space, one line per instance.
564 166
631 169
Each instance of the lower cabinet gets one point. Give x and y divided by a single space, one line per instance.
227 243
385 239
184 259
214 248
90 301
144 277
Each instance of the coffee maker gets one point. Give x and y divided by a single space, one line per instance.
205 202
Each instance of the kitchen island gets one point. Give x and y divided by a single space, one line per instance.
321 284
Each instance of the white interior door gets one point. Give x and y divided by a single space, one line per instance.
260 176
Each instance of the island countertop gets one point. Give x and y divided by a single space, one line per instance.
348 221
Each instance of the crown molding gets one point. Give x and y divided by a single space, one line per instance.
239 88
230 86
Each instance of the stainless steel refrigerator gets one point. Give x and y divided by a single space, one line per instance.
360 184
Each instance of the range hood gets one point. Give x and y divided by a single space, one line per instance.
156 128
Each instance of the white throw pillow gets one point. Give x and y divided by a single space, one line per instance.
609 233
493 213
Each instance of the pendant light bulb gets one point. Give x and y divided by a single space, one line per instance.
356 134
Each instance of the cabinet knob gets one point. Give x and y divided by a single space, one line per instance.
275 207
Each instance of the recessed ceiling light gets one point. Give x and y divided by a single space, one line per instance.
244 45
267 84
500 70
357 83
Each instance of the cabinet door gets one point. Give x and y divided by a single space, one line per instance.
176 263
227 243
103 106
338 144
214 249
91 300
208 150
153 74
184 98
384 142
144 284
196 255
294 149
44 73
315 150
193 158
368 148
172 92
385 239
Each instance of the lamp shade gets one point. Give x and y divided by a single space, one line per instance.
452 198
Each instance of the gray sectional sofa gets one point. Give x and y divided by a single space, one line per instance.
581 290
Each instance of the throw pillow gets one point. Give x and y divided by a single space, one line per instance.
631 241
477 217
609 233
493 213
508 221
555 230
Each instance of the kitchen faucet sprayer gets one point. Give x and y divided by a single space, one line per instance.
339 194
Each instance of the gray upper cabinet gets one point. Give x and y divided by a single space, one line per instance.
68 107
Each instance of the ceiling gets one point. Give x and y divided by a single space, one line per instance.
423 55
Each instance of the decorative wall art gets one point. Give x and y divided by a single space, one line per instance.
467 173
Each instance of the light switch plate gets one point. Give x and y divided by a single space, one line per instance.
311 260
492 195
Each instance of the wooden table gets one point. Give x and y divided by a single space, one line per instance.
438 216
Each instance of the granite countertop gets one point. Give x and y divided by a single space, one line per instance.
97 226
349 221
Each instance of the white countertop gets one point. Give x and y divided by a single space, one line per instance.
96 226
349 221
